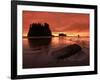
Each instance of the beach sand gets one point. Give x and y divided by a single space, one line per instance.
47 57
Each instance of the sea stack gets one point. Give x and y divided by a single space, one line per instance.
39 30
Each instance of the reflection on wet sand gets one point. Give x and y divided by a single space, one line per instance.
37 43
43 52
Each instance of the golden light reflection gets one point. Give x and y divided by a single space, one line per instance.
67 34
71 33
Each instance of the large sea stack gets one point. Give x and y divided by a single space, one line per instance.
39 30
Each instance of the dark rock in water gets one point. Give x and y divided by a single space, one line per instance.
62 34
69 51
38 30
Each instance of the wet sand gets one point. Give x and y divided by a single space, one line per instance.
46 57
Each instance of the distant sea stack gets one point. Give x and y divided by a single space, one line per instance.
62 34
39 30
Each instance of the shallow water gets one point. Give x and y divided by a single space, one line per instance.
37 52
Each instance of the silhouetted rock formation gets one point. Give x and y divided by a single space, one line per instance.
67 51
62 34
37 29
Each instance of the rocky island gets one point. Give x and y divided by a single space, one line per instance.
39 30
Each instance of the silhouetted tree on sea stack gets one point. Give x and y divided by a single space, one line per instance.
37 29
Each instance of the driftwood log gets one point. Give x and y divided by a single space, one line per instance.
67 51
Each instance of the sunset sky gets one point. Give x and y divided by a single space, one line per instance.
69 23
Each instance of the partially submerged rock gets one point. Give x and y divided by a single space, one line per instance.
67 51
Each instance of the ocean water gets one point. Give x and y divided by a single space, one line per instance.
38 52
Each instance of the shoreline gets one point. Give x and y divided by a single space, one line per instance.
55 36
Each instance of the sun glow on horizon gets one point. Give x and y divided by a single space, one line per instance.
71 34
66 33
